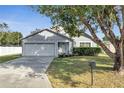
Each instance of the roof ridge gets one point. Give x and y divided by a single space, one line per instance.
46 29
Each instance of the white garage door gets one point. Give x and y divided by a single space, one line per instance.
39 49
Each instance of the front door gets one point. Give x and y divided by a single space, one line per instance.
63 48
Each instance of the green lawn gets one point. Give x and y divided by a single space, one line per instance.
8 57
75 72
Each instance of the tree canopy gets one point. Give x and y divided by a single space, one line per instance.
8 38
89 21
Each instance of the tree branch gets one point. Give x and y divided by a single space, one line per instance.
117 20
86 35
107 32
98 41
122 29
95 39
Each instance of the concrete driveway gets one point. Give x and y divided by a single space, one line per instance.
25 72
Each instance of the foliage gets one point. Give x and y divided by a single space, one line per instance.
74 18
8 38
92 22
64 55
86 51
87 21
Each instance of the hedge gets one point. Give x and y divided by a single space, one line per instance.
86 51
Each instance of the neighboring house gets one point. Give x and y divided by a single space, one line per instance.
46 43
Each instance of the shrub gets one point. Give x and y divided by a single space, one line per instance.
86 51
64 55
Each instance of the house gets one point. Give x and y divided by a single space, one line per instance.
77 41
48 42
83 42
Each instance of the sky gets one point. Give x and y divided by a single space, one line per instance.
23 19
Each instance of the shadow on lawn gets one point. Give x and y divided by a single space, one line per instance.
101 68
65 68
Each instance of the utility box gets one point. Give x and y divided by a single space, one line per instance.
92 64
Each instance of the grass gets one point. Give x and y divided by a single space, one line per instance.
75 72
8 58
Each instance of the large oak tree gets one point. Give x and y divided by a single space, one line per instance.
89 21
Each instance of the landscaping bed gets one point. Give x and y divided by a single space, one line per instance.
75 72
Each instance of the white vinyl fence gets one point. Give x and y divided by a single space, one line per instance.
10 50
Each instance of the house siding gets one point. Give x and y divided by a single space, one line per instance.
78 40
48 37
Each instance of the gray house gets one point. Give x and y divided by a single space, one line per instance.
51 43
46 43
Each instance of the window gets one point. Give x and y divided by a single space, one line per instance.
85 44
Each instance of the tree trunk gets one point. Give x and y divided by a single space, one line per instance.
117 62
122 54
119 58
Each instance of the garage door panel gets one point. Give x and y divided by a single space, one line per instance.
39 49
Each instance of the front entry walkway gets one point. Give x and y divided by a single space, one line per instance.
25 72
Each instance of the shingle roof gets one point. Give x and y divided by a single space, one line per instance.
49 31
